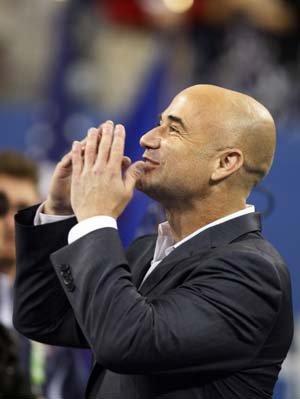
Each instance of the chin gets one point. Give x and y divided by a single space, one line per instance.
153 191
146 184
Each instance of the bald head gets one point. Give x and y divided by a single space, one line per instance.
235 120
211 145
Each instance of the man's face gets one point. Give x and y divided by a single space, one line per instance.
20 193
179 152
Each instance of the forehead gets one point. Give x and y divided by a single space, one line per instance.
18 190
179 106
194 112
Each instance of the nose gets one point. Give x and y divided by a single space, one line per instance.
150 139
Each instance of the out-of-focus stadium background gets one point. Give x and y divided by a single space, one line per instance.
67 65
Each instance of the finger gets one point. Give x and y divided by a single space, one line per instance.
126 162
66 160
132 175
84 141
105 144
83 144
100 127
91 148
77 161
117 148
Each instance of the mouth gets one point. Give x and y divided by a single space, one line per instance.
150 161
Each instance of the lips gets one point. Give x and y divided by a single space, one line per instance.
150 160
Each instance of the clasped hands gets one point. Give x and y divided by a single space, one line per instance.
89 180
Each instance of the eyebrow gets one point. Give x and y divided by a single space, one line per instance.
175 119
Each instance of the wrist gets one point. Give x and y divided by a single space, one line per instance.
83 217
51 208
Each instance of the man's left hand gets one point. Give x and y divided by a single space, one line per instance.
98 186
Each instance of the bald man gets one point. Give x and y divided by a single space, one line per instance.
202 310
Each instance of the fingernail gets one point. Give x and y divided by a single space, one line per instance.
92 131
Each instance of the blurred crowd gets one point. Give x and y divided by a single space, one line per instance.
72 59
103 49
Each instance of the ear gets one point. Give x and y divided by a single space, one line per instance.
228 162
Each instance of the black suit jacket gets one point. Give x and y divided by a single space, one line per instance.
212 321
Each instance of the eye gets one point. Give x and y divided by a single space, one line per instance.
173 129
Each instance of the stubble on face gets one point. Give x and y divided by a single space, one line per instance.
183 156
177 183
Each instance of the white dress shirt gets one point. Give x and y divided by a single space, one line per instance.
165 243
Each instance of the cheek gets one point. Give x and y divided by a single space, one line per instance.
173 157
184 163
190 171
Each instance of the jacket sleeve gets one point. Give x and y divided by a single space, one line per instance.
217 319
42 311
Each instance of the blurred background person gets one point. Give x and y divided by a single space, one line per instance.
50 371
13 382
19 184
65 65
4 208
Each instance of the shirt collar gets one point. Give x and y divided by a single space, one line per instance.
166 240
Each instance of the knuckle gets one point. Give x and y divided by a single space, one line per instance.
106 131
89 150
111 169
96 171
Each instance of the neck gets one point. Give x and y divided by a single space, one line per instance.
184 221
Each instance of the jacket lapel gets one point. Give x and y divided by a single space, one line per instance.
213 237
184 251
141 262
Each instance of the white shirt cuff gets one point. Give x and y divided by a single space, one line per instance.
89 225
43 218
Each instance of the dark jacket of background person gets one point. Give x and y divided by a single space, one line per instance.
13 383
51 372
213 321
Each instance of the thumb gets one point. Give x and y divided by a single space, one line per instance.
126 162
133 173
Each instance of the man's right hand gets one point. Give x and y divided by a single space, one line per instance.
58 200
